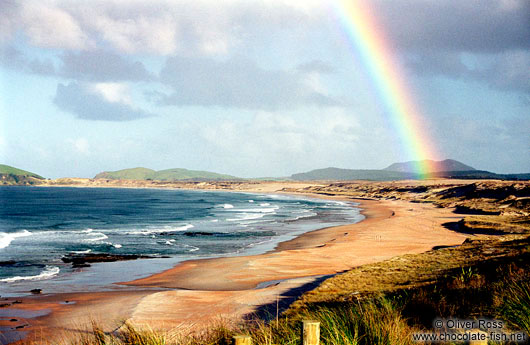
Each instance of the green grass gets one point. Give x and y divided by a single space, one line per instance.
6 169
379 320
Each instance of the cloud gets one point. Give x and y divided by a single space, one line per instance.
236 83
487 26
50 26
283 141
316 66
96 102
12 58
507 71
79 145
102 65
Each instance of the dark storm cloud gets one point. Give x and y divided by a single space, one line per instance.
442 37
236 83
84 104
486 26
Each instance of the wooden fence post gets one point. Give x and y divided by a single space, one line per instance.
311 332
242 340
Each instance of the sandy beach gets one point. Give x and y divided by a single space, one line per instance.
198 293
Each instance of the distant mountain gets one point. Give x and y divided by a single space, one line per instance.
403 171
434 166
14 176
163 175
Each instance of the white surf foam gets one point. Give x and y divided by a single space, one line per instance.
47 273
161 229
99 237
192 248
7 237
247 216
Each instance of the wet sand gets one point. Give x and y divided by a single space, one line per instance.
202 292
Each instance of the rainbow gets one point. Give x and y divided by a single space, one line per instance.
371 45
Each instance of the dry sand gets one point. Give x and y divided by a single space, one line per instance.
204 291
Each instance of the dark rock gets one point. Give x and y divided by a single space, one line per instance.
36 291
82 260
13 320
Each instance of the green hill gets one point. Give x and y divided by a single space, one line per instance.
9 170
14 176
127 174
163 175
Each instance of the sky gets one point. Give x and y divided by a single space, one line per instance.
256 88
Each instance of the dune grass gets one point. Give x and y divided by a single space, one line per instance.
379 320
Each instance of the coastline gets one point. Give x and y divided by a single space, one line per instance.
209 289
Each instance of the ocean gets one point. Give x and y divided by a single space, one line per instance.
40 225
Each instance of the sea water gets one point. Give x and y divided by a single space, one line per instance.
39 225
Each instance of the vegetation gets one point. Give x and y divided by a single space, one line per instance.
386 311
162 175
9 170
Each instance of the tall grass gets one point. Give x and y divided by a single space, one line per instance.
516 306
375 321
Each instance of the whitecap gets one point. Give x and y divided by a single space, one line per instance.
81 251
193 248
117 245
251 201
48 272
246 216
159 230
227 206
100 237
7 237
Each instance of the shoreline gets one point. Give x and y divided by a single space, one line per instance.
206 289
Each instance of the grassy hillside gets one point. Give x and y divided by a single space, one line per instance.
127 174
163 175
185 174
9 170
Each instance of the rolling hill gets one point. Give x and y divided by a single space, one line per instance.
163 175
13 176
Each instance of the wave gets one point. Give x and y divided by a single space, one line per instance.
265 204
161 230
246 216
48 272
81 251
100 237
7 237
193 248
226 206
258 210
229 234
